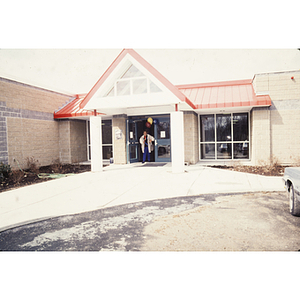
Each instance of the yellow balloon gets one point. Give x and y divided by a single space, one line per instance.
150 120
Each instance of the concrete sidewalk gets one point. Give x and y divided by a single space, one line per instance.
124 184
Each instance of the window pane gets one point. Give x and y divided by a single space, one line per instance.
224 151
132 131
123 87
207 151
133 152
132 72
106 132
163 150
240 127
154 88
207 125
163 130
241 150
106 152
223 127
139 86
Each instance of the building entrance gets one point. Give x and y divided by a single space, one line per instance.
159 129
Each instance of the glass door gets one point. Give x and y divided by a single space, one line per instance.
132 142
162 139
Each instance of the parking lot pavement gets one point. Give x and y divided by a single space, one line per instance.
211 222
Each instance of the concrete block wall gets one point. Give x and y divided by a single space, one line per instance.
64 141
27 128
284 90
191 137
119 145
260 136
78 141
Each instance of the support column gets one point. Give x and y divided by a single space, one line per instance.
177 142
96 144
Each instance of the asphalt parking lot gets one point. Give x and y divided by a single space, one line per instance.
213 222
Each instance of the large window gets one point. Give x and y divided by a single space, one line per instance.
224 136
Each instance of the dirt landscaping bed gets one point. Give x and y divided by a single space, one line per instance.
272 170
19 178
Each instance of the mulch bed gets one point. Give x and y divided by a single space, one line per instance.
19 178
274 170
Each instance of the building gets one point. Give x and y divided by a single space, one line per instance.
253 121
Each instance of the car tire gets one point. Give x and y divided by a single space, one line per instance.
294 204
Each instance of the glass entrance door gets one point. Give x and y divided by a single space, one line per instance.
132 142
162 139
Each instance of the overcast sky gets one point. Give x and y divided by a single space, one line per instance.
76 71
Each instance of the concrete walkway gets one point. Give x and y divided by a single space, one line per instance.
118 185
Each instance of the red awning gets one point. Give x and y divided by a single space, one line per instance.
237 93
72 109
223 94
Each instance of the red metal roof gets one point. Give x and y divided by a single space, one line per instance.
72 109
223 94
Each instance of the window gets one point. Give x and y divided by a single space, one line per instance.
224 136
132 82
107 146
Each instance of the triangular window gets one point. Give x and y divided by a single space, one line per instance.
154 88
133 82
133 72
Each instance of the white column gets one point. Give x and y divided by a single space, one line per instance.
96 144
177 142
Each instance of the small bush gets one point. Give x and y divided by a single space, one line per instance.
56 166
32 165
5 171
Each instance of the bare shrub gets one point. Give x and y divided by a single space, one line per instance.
32 165
17 176
56 166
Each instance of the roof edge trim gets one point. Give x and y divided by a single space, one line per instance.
214 84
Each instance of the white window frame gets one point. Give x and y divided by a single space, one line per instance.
88 141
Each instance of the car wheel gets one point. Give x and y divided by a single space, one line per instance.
294 204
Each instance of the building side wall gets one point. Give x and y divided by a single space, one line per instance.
64 141
78 141
191 137
119 145
260 136
285 131
27 128
284 90
31 139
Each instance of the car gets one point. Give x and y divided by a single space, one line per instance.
291 179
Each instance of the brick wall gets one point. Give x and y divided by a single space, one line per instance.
119 145
191 137
284 116
64 141
27 128
260 136
78 141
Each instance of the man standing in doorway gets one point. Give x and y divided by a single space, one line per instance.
146 142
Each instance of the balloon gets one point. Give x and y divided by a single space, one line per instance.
155 121
150 120
148 125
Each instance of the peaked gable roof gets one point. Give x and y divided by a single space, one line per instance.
146 65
